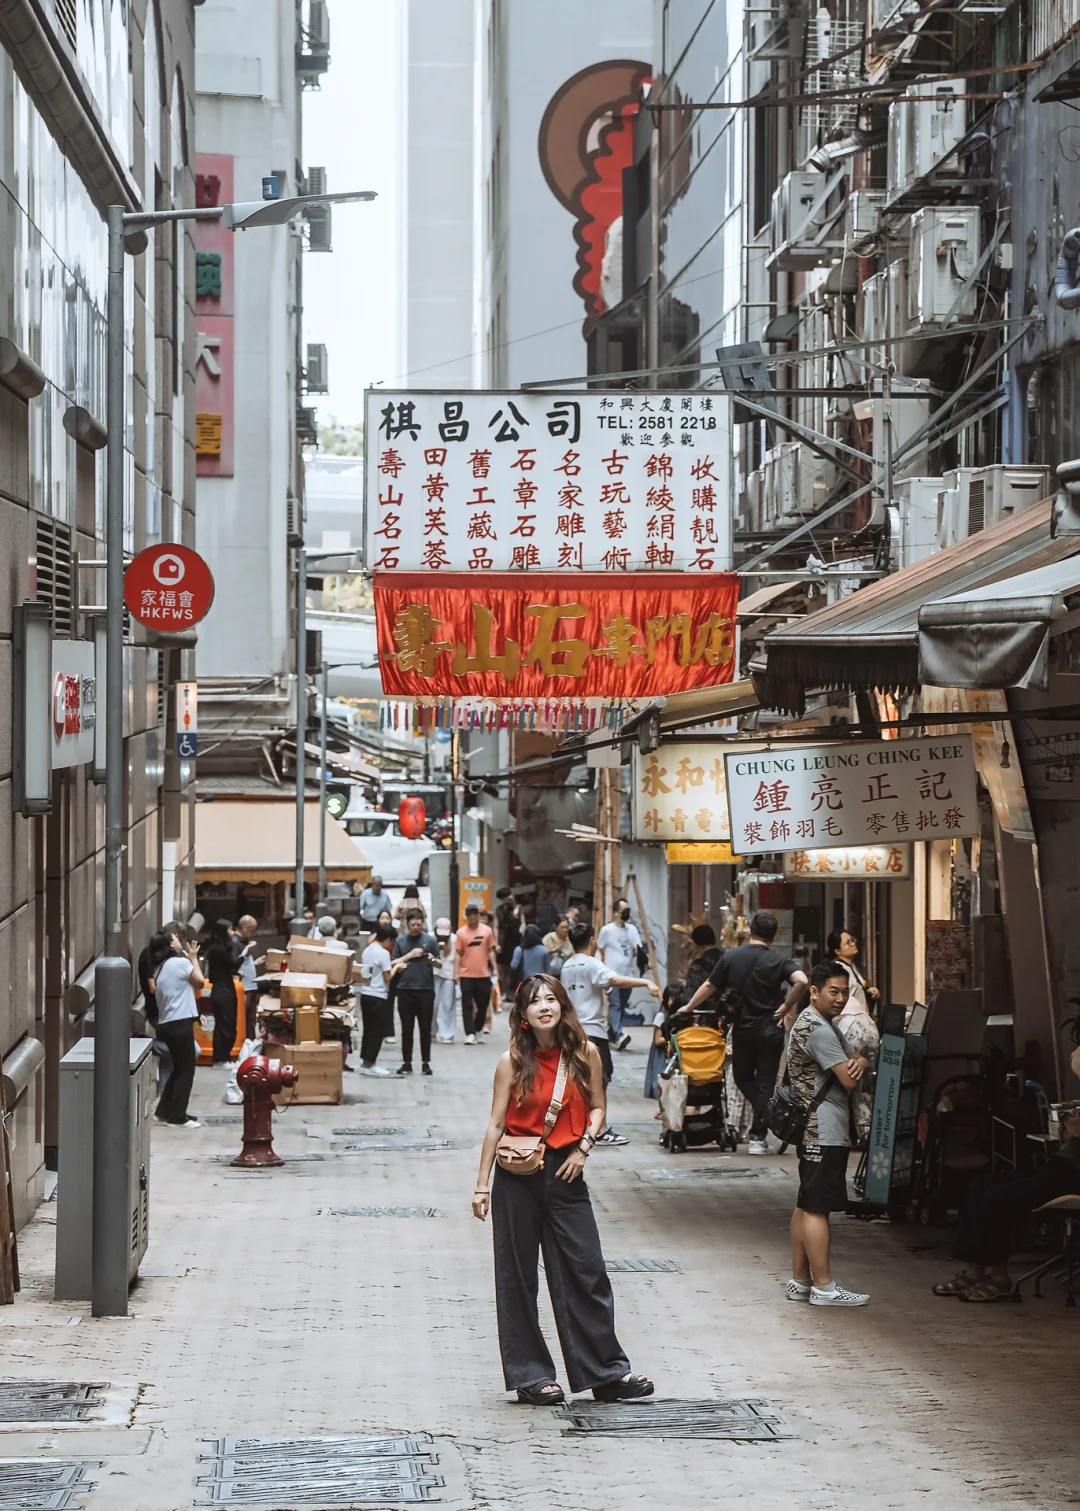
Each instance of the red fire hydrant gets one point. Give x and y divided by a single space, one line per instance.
259 1079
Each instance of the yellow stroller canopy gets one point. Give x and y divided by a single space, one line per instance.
702 1054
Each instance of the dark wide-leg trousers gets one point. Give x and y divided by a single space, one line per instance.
179 1038
755 1064
537 1212
415 1009
995 1205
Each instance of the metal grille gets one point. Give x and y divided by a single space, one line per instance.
67 19
738 1421
37 1486
324 1471
825 38
369 1132
379 1212
222 1119
400 1146
52 549
976 505
48 1401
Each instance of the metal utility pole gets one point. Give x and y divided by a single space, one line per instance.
298 926
455 876
111 1215
322 786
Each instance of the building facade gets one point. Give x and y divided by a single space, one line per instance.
96 108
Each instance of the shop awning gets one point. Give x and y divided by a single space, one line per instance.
871 639
997 635
704 704
256 841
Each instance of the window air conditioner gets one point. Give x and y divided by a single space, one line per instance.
799 220
979 497
751 505
779 485
815 480
317 369
862 217
918 501
885 315
925 124
944 254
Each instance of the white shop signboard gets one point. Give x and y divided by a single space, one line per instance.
860 792
680 793
73 704
581 481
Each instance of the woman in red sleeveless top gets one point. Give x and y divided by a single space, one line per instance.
550 1209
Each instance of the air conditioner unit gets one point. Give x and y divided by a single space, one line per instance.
925 124
779 485
909 408
317 369
751 501
885 315
944 255
862 217
800 219
313 50
918 502
315 181
320 228
815 479
979 497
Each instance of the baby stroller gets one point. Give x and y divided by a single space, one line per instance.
699 1054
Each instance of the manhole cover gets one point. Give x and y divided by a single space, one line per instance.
740 1421
325 1471
397 1146
369 1132
40 1486
48 1401
379 1212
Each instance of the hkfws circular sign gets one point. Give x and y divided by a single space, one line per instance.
168 588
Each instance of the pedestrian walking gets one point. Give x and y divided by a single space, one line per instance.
474 966
558 945
376 1014
757 988
531 956
508 927
586 981
822 1076
706 957
547 1109
416 955
445 984
410 903
618 943
247 968
372 901
219 970
385 921
175 978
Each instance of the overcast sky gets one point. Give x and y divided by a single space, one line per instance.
351 127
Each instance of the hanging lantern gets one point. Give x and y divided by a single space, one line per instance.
412 817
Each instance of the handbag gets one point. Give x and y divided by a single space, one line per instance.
787 1116
523 1154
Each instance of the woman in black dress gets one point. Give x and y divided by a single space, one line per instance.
220 967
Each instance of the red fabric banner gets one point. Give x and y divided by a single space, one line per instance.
509 637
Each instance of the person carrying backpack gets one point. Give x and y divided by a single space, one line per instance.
757 988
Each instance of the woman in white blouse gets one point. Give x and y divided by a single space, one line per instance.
856 1026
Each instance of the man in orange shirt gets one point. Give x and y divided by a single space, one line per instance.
474 966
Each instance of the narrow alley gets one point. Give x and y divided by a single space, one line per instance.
266 1307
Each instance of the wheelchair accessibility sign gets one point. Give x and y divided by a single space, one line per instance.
187 720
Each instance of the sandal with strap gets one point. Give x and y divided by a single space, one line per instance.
959 1285
988 1290
548 1394
632 1389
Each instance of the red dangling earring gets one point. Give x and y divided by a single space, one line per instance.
525 1026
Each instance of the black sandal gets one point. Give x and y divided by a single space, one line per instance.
633 1389
542 1395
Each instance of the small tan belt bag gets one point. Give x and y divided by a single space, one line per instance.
523 1154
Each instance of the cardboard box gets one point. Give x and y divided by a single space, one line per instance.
303 989
329 956
275 961
318 1068
307 1025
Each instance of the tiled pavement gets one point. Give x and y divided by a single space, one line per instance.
260 1314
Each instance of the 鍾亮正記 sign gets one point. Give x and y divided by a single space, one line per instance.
860 792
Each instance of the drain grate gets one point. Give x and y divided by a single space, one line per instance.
379 1212
290 1159
33 1485
369 1132
738 1421
640 1267
222 1119
323 1471
397 1146
48 1401
710 1172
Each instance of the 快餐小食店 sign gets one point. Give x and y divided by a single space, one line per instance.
860 792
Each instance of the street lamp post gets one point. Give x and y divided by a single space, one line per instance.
111 1226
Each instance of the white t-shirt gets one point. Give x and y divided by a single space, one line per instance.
586 980
619 943
173 991
444 971
374 964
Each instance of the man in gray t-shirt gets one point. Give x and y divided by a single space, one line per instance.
818 1062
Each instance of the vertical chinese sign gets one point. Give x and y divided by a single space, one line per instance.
214 326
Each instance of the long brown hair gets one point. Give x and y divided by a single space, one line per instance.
569 1037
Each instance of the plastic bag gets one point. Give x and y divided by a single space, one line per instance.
232 1093
673 1091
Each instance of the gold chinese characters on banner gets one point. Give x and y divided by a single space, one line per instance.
680 793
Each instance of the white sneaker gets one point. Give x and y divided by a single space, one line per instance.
624 1042
835 1295
798 1290
470 1038
373 1070
487 1030
757 1146
187 1123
